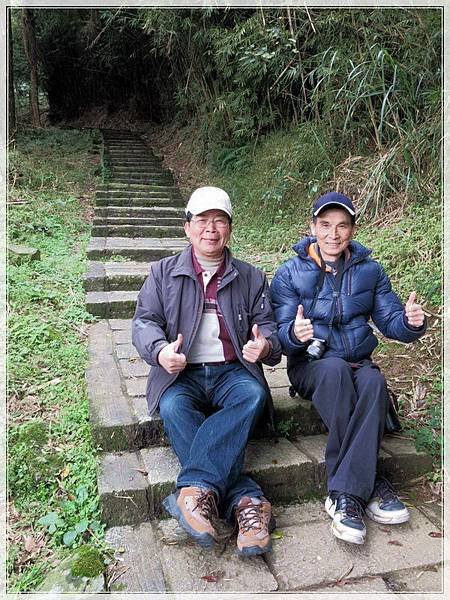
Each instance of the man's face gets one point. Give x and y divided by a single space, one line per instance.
209 233
334 230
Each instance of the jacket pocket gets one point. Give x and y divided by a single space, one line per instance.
243 321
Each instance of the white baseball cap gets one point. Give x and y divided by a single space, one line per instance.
209 198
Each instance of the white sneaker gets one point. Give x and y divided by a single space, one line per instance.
347 514
385 506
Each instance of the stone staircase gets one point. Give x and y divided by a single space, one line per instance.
138 220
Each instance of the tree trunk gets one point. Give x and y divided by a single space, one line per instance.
12 126
29 40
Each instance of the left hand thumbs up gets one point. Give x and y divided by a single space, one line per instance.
414 312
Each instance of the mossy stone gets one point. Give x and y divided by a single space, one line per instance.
88 562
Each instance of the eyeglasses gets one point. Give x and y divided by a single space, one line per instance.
218 222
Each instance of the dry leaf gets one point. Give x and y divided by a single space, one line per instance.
65 472
143 471
395 543
30 543
436 534
213 577
209 578
346 574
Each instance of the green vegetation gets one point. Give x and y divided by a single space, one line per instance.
51 463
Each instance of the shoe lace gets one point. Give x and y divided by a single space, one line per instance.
251 516
384 489
352 507
206 503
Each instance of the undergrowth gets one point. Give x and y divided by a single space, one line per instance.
52 497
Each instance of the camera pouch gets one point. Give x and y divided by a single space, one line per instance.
392 421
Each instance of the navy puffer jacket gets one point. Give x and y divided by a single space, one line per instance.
365 293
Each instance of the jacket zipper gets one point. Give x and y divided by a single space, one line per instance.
263 300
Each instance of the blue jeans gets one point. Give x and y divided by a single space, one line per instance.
211 447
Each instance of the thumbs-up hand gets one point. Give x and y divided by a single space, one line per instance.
257 348
414 312
170 359
303 329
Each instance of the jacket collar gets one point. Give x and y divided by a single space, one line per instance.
356 250
185 264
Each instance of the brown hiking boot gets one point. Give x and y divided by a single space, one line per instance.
194 508
254 518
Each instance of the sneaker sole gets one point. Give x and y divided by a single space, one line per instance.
385 520
346 536
205 540
254 550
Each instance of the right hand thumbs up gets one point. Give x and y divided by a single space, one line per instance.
169 357
303 329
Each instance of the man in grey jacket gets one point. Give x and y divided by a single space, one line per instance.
204 323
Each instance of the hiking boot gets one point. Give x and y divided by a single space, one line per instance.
255 522
347 514
385 506
194 508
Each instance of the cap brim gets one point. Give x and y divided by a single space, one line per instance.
319 210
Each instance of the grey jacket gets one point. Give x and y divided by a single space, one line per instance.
171 302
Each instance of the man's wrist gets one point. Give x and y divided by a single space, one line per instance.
159 352
268 350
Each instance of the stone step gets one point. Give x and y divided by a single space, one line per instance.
116 304
125 143
132 485
131 162
151 212
138 231
134 201
160 557
139 168
136 189
125 424
114 192
141 249
153 180
121 152
161 221
115 276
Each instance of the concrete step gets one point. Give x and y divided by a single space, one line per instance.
131 162
114 187
141 249
160 557
138 231
134 201
132 485
123 152
124 424
150 213
115 276
114 192
161 221
153 180
115 304
138 167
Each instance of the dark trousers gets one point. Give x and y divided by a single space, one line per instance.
353 404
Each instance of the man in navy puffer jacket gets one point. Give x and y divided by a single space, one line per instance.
329 291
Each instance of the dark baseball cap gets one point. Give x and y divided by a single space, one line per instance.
333 199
